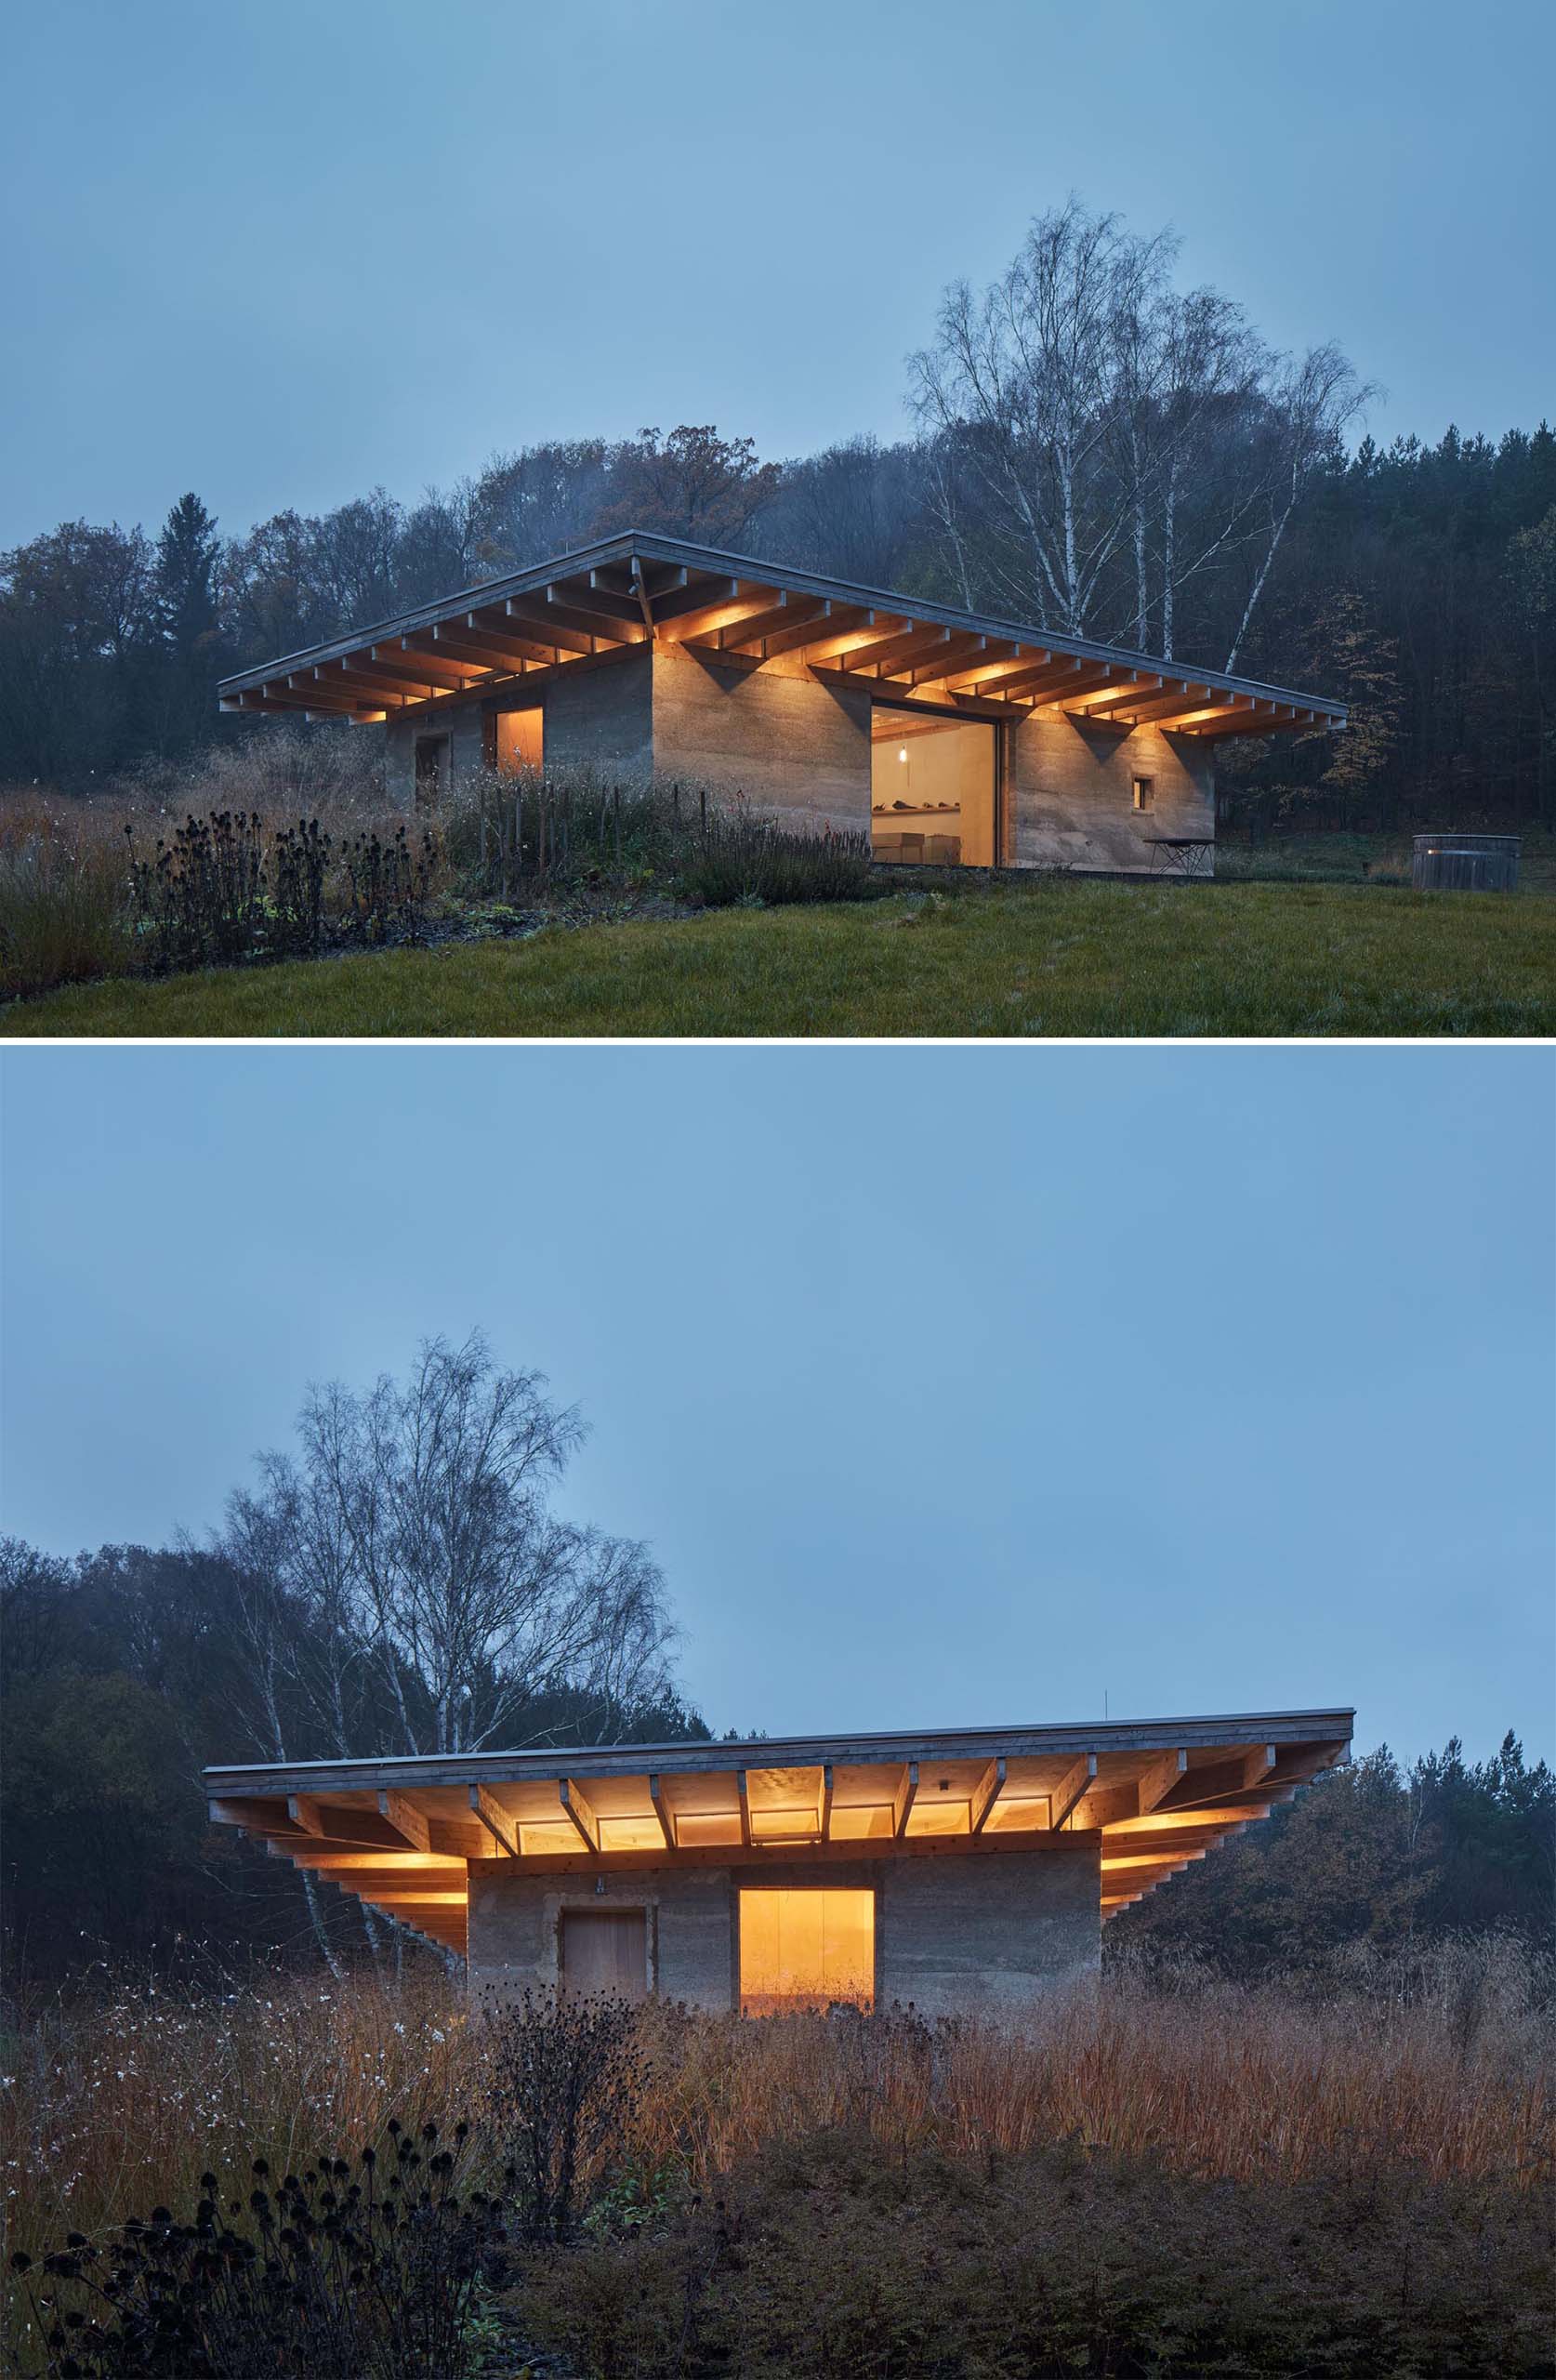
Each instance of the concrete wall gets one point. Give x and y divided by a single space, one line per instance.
461 723
982 1936
1068 789
515 1926
800 752
980 1932
797 750
602 719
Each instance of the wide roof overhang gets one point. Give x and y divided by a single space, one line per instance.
400 1833
637 589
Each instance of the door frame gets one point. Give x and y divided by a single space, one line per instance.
963 718
592 1904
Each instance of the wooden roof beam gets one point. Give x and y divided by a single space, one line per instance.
625 580
305 688
697 592
930 674
747 602
824 1805
905 1798
416 666
790 612
1159 1780
359 1830
1199 714
661 1812
398 1811
986 1795
990 675
1101 704
819 635
1047 689
1034 675
648 584
914 643
1176 693
487 649
376 683
1092 678
580 1810
495 1820
342 1862
1071 1790
531 617
371 690
580 603
1263 719
838 647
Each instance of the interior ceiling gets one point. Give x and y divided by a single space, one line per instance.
404 1845
580 612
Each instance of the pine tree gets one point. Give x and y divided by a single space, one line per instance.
186 568
189 622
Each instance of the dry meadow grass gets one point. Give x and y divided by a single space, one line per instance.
1445 2066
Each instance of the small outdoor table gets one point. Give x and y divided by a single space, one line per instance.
1180 854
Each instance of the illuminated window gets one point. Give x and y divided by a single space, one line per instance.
805 1949
519 740
1146 792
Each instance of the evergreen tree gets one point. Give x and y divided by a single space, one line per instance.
186 568
189 624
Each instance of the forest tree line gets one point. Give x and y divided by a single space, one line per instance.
400 1580
127 1670
1095 450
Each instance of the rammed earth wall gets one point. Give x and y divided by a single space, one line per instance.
955 1933
798 750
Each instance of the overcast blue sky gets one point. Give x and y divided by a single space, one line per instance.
951 1386
279 253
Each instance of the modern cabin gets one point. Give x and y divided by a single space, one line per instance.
955 1872
949 738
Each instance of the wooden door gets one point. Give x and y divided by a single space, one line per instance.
605 1950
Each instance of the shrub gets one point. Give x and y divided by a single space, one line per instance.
387 882
544 831
565 2080
277 766
745 860
342 2274
201 899
223 890
834 2255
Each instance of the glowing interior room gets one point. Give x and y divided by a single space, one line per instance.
945 737
960 1871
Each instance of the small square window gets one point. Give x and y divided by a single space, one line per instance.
1146 792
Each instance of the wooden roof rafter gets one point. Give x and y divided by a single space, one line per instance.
638 588
399 1833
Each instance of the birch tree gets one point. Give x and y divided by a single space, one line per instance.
1100 439
417 1529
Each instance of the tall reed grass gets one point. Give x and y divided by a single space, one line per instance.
64 896
1444 2064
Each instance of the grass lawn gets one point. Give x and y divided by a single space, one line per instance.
1058 956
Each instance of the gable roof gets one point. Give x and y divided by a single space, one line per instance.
637 588
400 1832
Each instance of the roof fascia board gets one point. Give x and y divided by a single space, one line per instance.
793 1752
